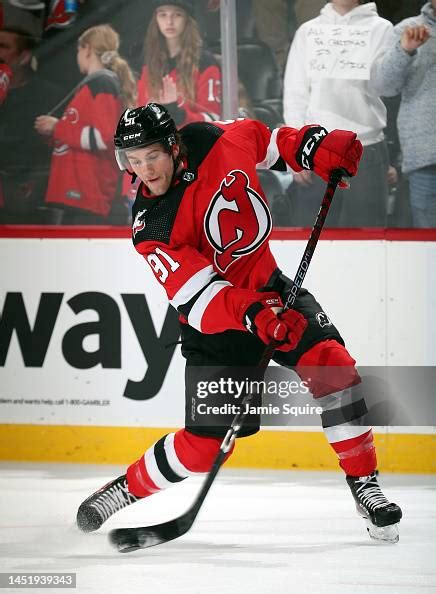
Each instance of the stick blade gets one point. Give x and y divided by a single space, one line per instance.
126 540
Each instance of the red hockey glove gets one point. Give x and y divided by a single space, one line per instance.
286 328
323 152
5 80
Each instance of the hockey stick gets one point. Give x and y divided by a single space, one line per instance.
131 539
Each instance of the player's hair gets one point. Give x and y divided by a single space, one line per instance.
105 41
183 151
187 61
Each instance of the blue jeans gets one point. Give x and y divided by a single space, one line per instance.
422 187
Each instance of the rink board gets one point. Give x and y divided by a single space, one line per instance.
396 452
57 404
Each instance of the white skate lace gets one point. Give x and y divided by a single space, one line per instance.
114 499
369 493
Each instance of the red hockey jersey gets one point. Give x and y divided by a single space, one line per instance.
83 170
207 84
206 239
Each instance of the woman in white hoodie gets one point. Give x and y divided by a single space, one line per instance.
344 103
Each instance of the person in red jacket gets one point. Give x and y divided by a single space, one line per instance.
177 72
84 177
202 223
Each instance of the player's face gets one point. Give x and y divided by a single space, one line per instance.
154 166
171 21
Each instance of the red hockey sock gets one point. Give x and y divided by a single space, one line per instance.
171 459
332 378
357 455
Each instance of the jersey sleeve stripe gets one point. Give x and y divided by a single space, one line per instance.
85 140
99 142
272 152
196 314
92 140
273 156
196 283
185 308
210 117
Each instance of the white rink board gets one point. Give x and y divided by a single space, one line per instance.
411 311
380 295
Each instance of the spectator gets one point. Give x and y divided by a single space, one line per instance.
177 72
25 159
345 104
408 67
84 177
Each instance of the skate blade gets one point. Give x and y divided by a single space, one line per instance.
388 534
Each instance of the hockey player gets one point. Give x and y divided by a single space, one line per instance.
201 221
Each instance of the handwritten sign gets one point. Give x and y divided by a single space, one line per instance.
339 51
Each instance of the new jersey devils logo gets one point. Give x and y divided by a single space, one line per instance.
237 220
138 223
323 319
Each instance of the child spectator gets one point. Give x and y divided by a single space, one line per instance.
177 72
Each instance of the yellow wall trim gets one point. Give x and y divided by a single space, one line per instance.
268 449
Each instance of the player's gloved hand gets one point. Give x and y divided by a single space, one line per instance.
5 80
264 319
323 152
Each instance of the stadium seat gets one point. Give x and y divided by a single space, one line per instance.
257 70
268 115
275 103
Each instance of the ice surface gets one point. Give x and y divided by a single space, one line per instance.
258 532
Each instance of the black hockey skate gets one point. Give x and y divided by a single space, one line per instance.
104 503
382 517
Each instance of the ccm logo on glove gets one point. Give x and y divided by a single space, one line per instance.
311 139
324 152
287 328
